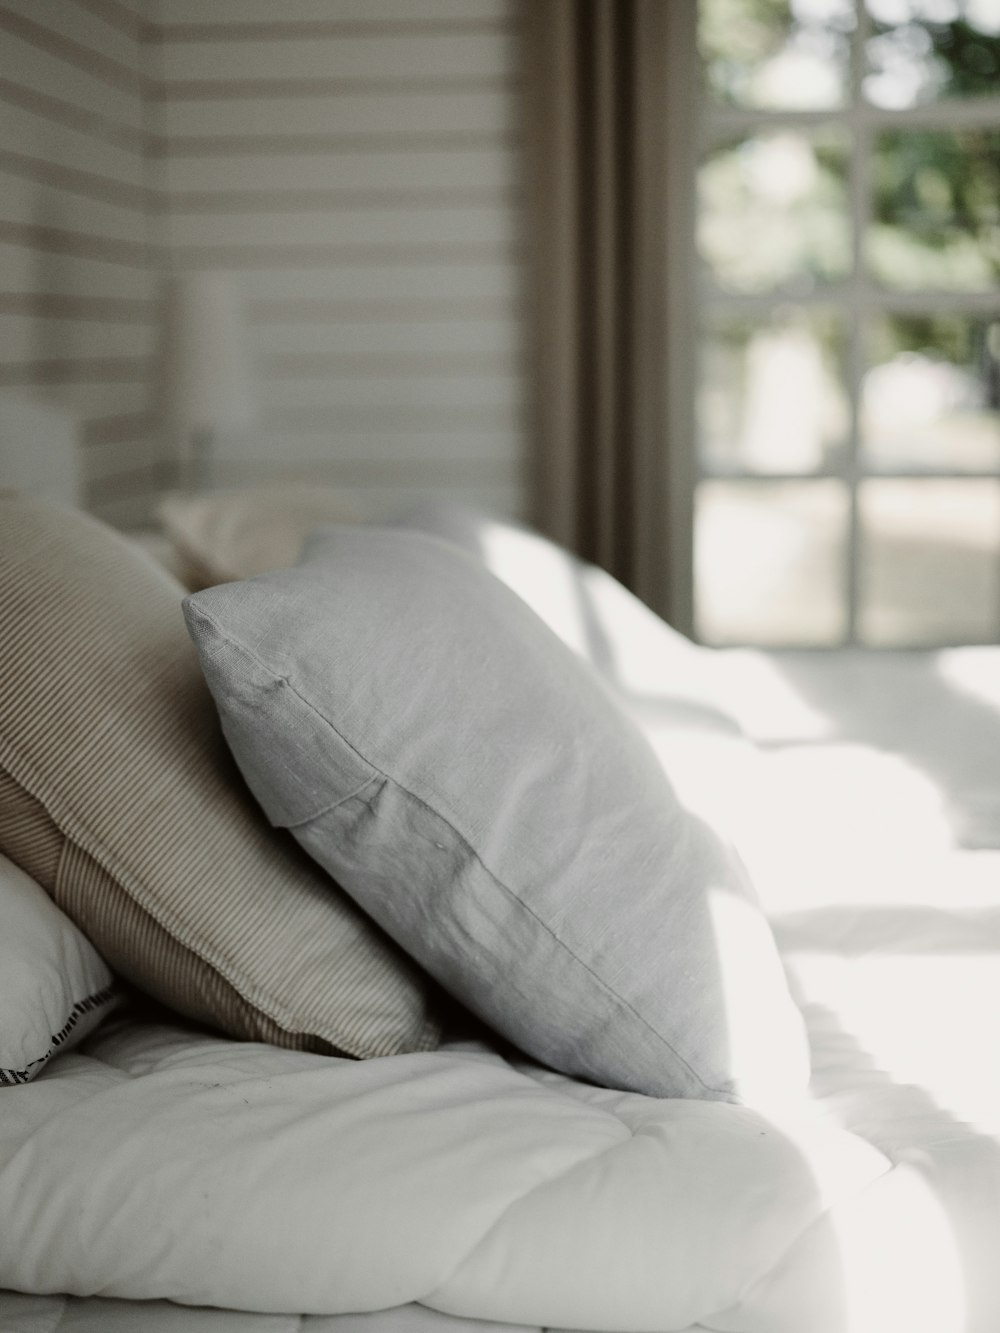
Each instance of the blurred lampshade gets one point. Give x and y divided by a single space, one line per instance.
209 386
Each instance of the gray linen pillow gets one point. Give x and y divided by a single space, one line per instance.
479 792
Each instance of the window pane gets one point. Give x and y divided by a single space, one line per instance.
778 54
771 395
930 553
937 209
921 50
769 558
931 398
774 212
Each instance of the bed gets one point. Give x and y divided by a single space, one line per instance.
161 1175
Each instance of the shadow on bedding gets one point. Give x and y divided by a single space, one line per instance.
919 1250
937 710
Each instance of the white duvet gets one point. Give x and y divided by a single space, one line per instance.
159 1168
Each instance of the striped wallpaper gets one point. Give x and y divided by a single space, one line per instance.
78 232
354 165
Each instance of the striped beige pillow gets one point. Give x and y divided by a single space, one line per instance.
118 794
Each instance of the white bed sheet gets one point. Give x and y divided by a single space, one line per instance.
871 816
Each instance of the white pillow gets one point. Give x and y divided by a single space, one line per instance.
54 985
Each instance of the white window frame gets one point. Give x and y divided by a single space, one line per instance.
697 126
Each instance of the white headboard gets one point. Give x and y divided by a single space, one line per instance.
39 449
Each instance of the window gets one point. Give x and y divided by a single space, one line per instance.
847 395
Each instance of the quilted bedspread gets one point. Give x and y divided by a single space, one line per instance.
166 1180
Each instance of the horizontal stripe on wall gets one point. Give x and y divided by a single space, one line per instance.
57 240
56 306
40 138
137 198
122 428
491 230
145 11
133 22
496 340
225 203
30 201
360 473
382 284
312 11
354 59
25 337
319 312
213 90
378 418
87 401
491 392
105 69
32 67
322 142
27 270
281 29
384 501
441 437
412 471
386 447
67 113
115 49
78 370
116 458
325 257
427 172
428 112
374 365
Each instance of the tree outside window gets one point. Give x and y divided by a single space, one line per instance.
848 388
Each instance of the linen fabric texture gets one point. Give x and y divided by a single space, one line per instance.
54 986
472 783
119 796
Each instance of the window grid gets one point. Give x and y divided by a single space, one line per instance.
858 299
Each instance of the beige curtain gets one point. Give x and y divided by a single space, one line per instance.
599 211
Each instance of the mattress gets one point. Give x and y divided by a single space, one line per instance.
172 1180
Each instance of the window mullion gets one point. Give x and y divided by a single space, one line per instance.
956 113
859 195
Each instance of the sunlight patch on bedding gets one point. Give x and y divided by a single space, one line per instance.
760 1036
913 1011
847 823
764 701
711 773
601 620
645 655
974 671
881 799
540 574
900 1262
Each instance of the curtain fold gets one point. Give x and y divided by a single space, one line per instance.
598 192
